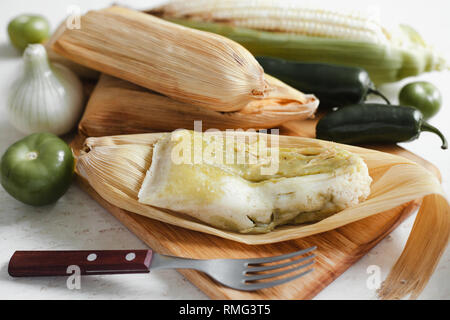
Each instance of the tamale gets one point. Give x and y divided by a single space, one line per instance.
115 167
258 189
120 107
187 65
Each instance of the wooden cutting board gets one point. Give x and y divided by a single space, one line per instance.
337 249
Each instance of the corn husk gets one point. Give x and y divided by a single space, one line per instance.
188 65
80 70
120 107
116 166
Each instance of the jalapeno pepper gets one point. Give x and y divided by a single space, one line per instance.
333 85
374 123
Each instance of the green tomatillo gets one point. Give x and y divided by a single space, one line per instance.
423 96
27 29
38 169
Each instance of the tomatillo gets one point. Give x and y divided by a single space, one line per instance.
423 96
26 29
38 169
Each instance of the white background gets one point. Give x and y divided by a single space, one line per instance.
77 222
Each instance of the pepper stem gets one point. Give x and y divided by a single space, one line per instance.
378 93
428 127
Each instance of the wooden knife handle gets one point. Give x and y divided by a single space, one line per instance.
89 262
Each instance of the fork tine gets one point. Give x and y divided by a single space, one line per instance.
276 274
278 266
263 285
281 257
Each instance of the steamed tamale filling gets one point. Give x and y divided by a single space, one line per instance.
250 185
204 190
246 159
297 162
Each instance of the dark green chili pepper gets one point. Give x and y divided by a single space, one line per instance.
374 123
333 85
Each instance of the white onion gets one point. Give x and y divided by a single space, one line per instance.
47 97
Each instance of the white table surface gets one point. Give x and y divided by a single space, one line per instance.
78 222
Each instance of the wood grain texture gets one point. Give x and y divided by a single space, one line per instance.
337 249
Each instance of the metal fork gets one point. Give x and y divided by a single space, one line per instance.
241 274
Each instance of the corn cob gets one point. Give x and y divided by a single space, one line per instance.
282 16
292 31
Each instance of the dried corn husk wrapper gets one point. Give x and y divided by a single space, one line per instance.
83 72
121 107
115 167
187 65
